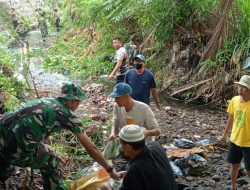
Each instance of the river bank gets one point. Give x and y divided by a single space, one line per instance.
175 123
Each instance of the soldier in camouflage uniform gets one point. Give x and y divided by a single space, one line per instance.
22 31
42 24
23 131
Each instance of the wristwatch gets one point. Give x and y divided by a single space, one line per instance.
110 169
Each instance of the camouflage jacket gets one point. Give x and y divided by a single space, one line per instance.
42 23
38 119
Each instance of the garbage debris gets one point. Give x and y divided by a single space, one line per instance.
177 171
96 175
203 142
183 143
180 152
187 157
182 164
91 181
112 149
187 164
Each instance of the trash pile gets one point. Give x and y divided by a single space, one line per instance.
95 175
187 157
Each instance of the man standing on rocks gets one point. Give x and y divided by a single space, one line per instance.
14 18
23 133
128 111
239 123
22 31
142 82
43 26
57 20
120 65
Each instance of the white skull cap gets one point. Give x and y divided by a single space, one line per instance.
131 133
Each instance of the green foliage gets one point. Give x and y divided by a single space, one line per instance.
26 21
241 18
3 38
111 18
208 64
236 48
8 84
67 56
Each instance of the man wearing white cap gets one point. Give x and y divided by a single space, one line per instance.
239 123
149 166
129 111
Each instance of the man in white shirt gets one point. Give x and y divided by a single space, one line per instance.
120 65
127 111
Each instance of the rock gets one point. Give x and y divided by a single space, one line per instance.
212 183
184 114
189 178
242 181
200 182
167 108
245 187
214 132
242 172
206 183
95 117
182 130
216 156
216 177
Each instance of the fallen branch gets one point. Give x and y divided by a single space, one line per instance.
189 86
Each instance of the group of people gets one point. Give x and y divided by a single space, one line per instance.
18 26
142 83
23 131
140 79
42 22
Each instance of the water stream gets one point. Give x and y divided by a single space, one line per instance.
32 67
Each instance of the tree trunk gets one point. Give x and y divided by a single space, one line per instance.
219 33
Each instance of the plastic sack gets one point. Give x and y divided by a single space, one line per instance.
198 160
112 149
91 181
203 142
183 143
177 171
182 163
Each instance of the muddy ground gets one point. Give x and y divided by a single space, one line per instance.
175 121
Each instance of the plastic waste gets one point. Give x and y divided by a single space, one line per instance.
246 63
167 108
167 148
198 159
203 142
91 181
112 149
183 143
103 77
182 163
177 171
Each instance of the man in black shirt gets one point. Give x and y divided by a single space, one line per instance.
149 167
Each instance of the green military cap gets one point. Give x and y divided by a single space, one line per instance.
71 91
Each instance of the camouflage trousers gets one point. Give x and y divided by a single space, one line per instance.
34 155
44 32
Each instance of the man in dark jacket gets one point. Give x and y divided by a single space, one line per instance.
149 167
